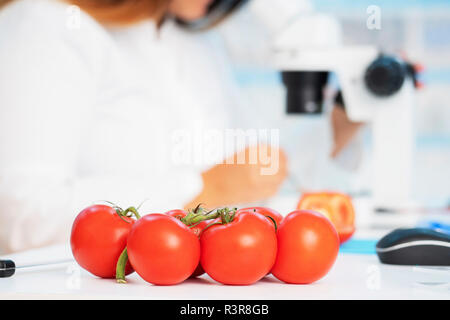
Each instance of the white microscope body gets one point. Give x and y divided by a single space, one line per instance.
309 41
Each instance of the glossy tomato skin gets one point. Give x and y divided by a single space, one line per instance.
308 246
98 238
177 213
265 212
198 271
197 230
163 250
180 213
240 252
275 215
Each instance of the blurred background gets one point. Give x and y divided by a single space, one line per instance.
194 82
418 28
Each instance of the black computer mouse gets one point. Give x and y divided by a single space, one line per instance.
417 246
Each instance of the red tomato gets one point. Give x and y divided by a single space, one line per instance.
198 271
240 252
98 238
335 206
197 229
177 213
308 245
162 249
275 215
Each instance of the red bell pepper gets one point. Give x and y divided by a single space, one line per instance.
335 206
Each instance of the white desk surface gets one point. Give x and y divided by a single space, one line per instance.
354 276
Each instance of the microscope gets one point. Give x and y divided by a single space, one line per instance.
375 88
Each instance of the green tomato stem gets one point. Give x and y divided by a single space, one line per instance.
133 210
123 258
194 218
227 215
274 222
121 265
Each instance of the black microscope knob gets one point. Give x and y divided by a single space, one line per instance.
385 76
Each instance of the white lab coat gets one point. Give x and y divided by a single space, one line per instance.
89 113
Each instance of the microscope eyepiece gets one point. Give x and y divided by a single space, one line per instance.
385 76
304 91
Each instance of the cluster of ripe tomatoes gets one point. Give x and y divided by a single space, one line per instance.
234 247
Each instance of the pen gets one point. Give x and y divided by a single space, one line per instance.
8 267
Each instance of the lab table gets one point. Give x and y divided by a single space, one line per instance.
354 276
357 273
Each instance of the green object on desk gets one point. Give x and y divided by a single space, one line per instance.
359 246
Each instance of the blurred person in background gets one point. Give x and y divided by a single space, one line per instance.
91 92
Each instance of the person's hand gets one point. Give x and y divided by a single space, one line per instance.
344 130
231 184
